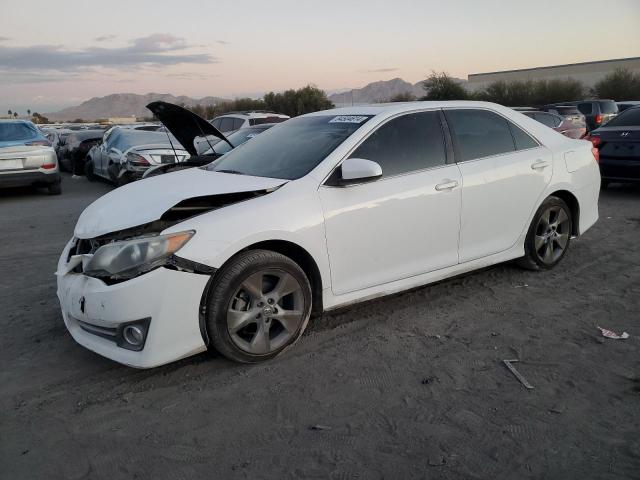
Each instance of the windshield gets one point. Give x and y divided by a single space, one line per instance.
291 149
628 118
236 139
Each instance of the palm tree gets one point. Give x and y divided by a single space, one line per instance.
29 111
15 114
9 112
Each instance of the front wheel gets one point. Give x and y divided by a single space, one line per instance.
549 235
259 305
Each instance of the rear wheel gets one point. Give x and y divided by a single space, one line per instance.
549 235
55 189
259 305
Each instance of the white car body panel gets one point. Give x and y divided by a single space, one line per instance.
367 240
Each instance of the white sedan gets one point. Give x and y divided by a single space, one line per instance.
324 210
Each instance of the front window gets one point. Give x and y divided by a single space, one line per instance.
292 149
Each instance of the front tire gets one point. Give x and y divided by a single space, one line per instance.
88 170
259 306
549 235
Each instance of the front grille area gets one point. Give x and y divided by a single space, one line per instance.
104 332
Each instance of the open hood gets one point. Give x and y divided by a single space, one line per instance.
189 192
184 125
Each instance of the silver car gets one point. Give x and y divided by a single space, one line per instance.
27 157
123 155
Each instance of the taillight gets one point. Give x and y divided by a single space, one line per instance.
594 139
40 143
137 160
596 154
48 166
598 118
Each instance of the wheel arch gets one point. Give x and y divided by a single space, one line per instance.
296 253
573 204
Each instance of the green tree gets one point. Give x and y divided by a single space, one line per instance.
522 93
298 102
619 85
440 86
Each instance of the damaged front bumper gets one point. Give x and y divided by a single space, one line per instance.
167 301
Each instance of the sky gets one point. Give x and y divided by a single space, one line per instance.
58 54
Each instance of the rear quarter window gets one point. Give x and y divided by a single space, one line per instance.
608 106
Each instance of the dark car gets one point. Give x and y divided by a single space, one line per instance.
204 141
596 112
618 143
623 105
559 123
72 155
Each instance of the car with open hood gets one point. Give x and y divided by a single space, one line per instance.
123 155
203 141
322 211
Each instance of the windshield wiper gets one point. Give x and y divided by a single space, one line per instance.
235 172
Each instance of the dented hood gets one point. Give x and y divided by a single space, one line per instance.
145 201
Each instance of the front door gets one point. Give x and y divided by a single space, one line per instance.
404 224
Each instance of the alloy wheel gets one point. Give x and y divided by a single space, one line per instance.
552 234
266 311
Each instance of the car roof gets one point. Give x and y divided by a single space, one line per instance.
400 107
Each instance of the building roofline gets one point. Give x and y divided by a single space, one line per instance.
553 66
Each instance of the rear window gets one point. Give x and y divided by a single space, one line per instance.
261 121
567 110
586 108
628 118
608 106
10 131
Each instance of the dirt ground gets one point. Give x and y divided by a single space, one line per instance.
410 386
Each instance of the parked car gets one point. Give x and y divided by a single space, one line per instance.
123 155
568 112
325 210
622 106
72 155
27 157
232 121
53 135
205 142
560 124
596 112
618 144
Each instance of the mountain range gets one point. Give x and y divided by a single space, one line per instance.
124 105
131 104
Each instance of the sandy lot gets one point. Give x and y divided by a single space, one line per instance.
410 386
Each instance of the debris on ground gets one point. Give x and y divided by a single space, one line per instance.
613 335
319 427
517 374
428 380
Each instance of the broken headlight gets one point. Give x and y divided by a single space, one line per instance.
127 259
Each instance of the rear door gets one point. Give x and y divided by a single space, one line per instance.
504 173
403 224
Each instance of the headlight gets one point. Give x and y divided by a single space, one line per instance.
130 258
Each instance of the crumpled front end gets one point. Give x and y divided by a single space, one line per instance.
163 305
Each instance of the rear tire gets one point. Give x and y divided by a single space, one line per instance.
258 306
55 189
549 235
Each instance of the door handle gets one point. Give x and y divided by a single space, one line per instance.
539 165
446 185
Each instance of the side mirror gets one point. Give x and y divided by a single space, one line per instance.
359 170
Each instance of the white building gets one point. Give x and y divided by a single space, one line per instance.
589 73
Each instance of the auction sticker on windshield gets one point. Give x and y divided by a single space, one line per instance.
349 119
